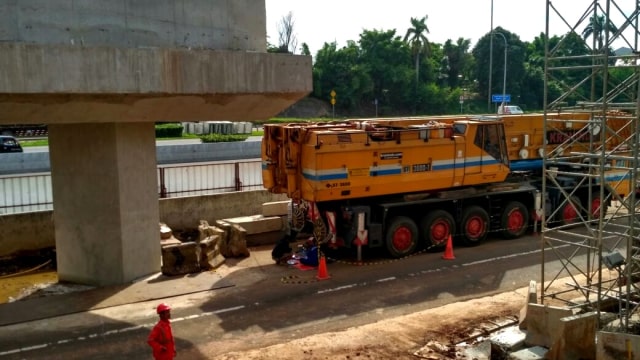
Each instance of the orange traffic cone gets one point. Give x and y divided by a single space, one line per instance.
323 274
448 251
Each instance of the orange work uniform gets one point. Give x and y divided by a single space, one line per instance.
161 341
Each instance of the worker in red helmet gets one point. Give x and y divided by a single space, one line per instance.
161 338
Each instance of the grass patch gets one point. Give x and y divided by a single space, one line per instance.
212 138
184 136
295 120
39 142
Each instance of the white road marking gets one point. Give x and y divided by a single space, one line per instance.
501 257
117 331
337 289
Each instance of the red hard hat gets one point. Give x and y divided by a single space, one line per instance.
162 308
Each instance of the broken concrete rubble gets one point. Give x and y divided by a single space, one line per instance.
192 256
181 258
234 243
570 332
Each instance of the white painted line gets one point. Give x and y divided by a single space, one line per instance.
337 289
502 257
386 279
117 331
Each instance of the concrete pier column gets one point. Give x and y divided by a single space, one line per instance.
106 213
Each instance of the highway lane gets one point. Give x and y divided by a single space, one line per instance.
158 143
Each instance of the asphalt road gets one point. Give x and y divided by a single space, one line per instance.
261 310
158 143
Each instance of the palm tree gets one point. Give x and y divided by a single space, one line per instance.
597 28
417 40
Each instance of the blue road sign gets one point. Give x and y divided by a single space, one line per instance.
498 98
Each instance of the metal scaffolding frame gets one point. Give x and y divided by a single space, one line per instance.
599 250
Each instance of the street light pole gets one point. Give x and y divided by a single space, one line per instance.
504 77
490 60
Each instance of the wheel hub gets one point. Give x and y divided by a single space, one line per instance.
402 239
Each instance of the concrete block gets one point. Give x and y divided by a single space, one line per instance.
543 323
170 241
165 231
205 230
532 353
257 224
181 259
225 227
616 346
575 338
238 241
531 299
275 208
210 256
479 351
509 339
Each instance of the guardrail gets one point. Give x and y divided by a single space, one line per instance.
32 192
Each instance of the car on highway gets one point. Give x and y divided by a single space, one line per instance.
510 109
9 144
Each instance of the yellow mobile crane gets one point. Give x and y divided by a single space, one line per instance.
403 183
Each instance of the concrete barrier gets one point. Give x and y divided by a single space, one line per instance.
616 346
24 163
33 162
35 231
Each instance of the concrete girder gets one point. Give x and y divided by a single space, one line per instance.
50 84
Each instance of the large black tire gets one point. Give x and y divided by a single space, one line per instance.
402 237
514 220
474 226
436 228
569 212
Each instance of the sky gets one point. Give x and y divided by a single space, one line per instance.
317 22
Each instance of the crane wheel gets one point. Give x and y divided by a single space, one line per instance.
475 225
402 237
569 212
514 220
436 228
595 205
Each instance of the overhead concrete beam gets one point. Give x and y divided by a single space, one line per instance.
210 24
72 84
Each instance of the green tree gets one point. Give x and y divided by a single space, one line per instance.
459 61
515 63
532 90
569 69
340 70
388 63
304 49
597 27
418 41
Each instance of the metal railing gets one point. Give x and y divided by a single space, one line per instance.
32 192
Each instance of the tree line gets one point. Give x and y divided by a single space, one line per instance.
391 74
